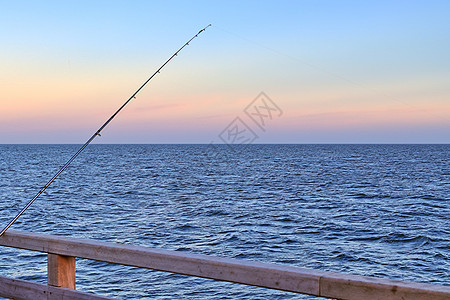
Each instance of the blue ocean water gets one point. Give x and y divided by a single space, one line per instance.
375 210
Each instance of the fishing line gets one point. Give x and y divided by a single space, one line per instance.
97 133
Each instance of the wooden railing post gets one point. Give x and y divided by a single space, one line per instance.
61 271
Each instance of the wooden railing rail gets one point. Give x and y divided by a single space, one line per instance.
63 251
28 290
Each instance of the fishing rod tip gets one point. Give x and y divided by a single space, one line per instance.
204 29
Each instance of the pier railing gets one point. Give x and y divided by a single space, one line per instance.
63 251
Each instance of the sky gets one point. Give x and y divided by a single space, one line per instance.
328 71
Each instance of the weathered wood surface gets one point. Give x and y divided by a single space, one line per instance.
61 271
28 290
286 278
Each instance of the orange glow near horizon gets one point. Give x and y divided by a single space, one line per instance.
44 111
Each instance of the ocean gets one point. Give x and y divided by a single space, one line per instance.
373 210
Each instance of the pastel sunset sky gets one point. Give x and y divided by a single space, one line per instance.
340 71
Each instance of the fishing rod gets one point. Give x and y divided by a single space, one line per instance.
97 133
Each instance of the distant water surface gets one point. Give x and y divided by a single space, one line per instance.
375 210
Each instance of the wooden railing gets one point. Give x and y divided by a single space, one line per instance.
62 252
